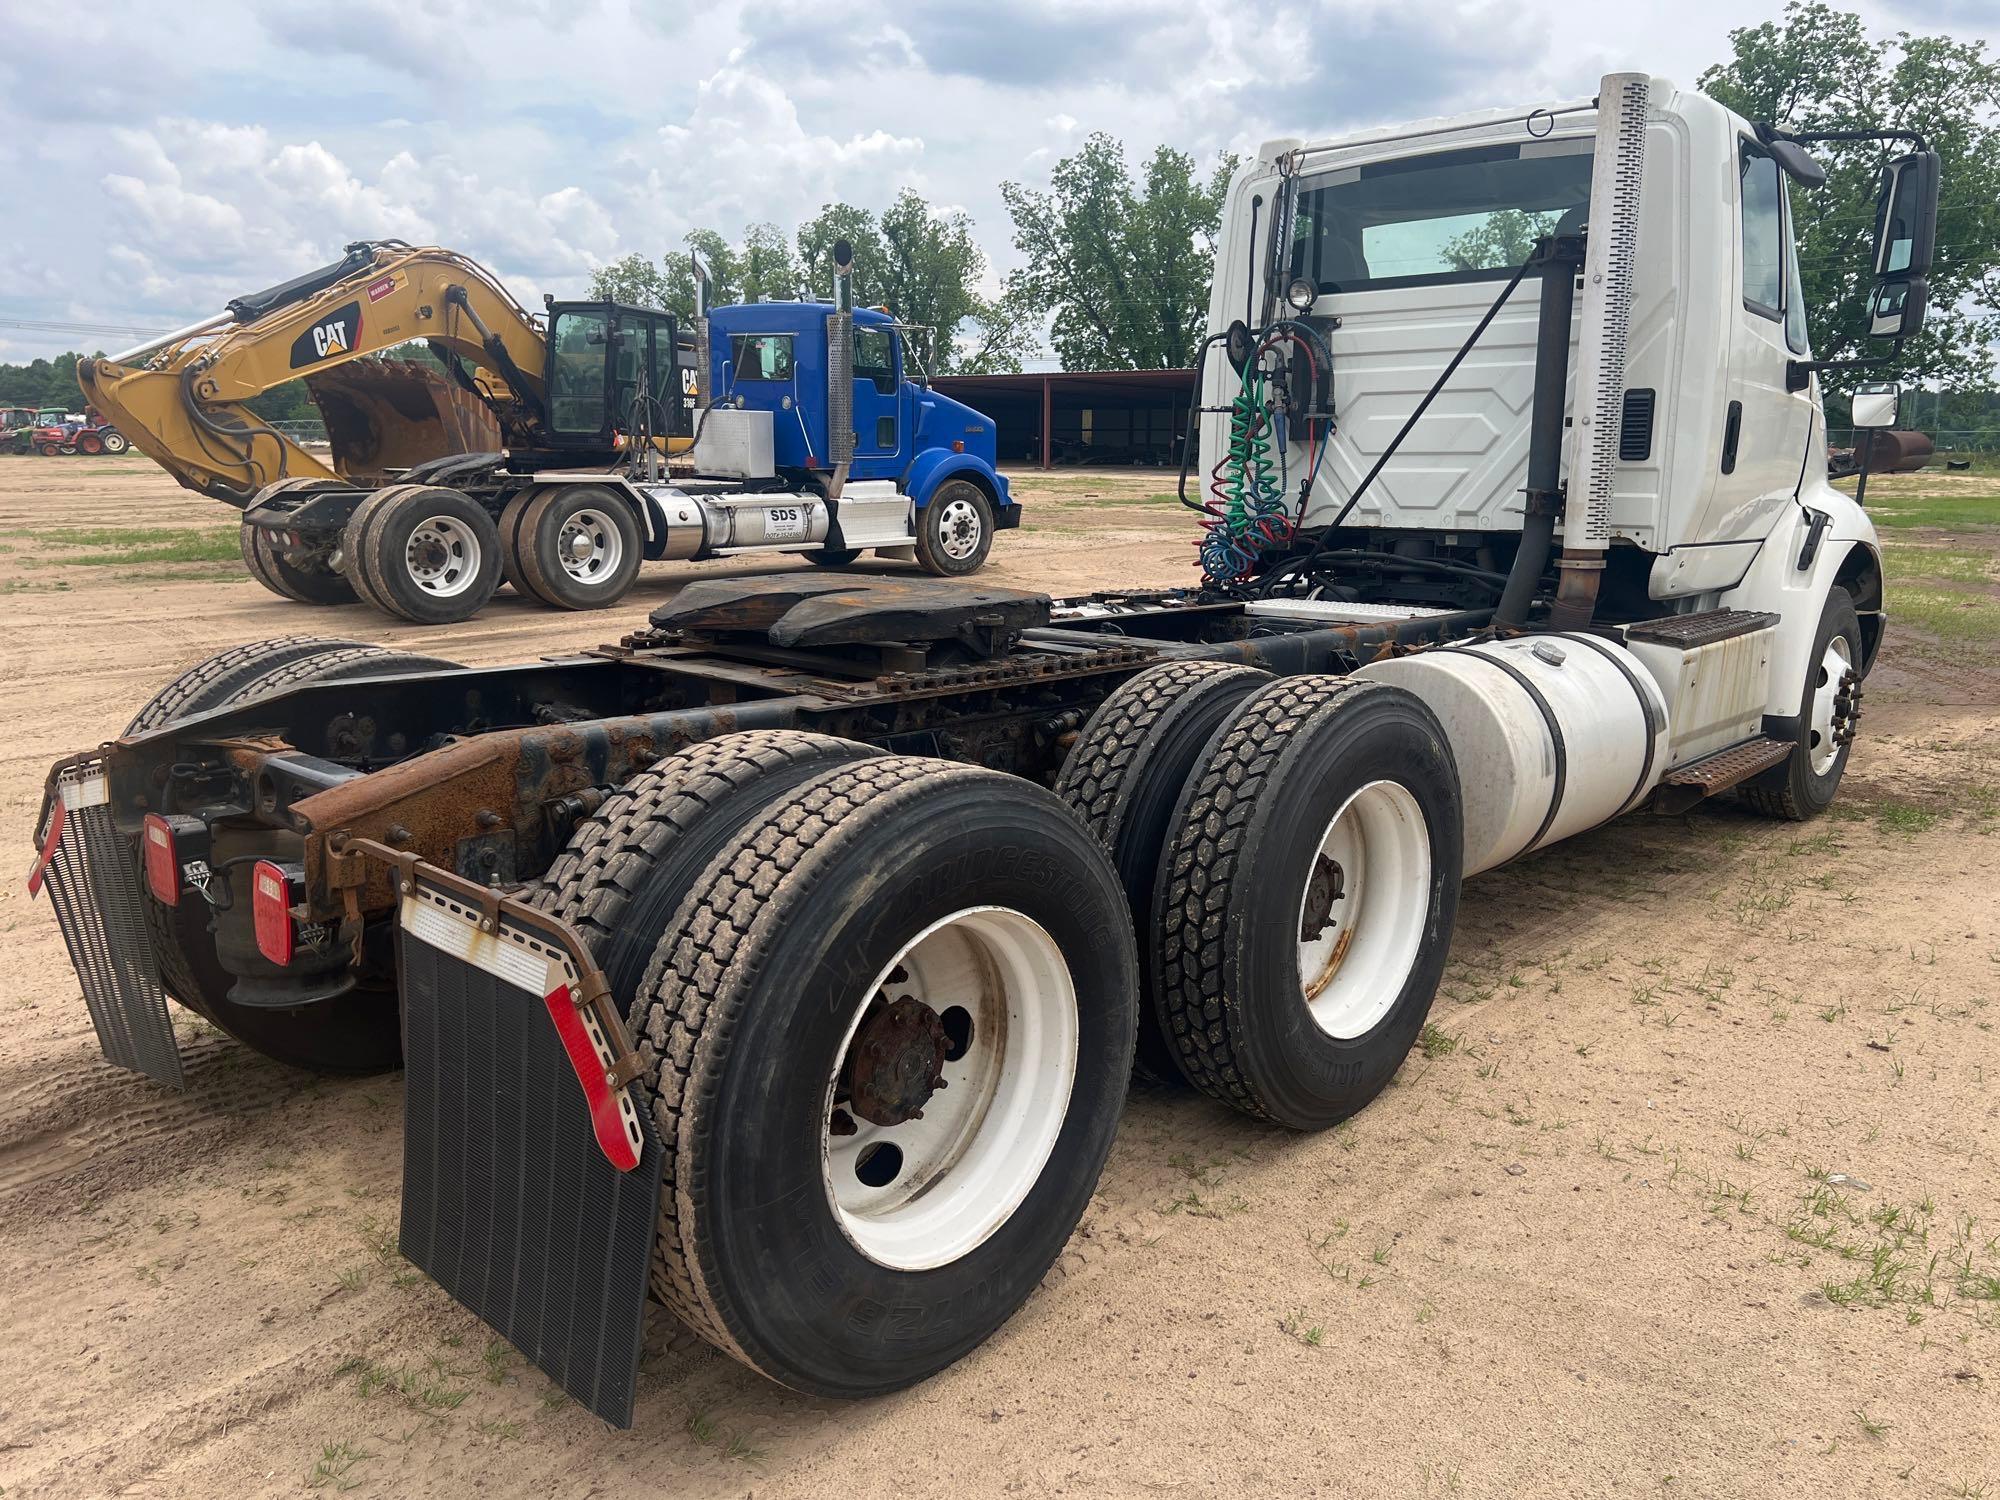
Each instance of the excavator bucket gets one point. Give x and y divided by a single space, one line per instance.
387 415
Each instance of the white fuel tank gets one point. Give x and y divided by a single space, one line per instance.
1553 734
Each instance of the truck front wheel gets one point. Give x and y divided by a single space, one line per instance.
1829 710
890 1028
955 531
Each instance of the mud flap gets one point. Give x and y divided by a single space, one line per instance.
92 877
529 1194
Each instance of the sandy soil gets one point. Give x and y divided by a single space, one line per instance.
1692 1188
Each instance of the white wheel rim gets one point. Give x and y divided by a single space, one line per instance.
927 1192
1823 743
1364 909
442 556
959 529
590 547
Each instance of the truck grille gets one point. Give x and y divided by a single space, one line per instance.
93 881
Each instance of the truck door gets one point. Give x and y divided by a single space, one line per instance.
878 386
1765 427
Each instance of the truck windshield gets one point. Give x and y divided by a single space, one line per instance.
1468 215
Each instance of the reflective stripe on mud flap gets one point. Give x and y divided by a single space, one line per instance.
531 1183
92 876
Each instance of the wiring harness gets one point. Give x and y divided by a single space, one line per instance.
1248 511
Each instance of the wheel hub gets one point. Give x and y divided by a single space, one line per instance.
896 1061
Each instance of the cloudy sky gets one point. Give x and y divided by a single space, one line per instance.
162 158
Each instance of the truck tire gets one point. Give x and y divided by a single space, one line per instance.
115 442
833 557
359 1032
1124 777
510 546
979 933
628 866
1829 710
212 683
1280 1001
578 546
955 530
308 583
425 554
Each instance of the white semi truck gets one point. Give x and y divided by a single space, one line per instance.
786 960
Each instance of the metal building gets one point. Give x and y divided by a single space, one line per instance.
1088 418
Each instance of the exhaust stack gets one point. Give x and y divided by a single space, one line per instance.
704 383
1611 259
840 370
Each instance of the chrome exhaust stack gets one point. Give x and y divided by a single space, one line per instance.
840 370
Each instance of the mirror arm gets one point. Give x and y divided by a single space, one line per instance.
1797 373
1769 133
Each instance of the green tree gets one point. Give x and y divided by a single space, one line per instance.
925 268
1818 69
634 280
1504 240
1123 266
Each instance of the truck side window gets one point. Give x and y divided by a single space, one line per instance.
1763 234
875 358
762 356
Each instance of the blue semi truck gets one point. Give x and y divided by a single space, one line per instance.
814 438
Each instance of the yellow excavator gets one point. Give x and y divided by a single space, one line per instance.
438 480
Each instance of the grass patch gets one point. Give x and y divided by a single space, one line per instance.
113 546
1905 817
336 1460
1900 512
1948 614
1950 564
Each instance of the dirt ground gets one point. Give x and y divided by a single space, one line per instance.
1690 1189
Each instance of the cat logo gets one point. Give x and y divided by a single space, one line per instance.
332 336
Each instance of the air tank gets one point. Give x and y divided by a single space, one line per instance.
1553 734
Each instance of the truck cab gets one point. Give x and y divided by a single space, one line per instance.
774 357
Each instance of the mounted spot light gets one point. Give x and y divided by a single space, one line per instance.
1302 294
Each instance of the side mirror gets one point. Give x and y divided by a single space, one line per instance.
1797 163
1875 405
1896 308
1906 207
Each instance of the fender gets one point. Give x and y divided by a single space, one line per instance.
1847 553
934 466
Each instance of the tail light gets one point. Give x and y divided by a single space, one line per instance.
163 866
271 909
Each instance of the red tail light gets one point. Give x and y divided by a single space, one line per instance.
163 866
271 908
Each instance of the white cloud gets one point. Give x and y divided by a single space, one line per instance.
546 137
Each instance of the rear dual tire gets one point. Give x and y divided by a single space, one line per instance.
856 901
572 547
423 553
292 573
358 1032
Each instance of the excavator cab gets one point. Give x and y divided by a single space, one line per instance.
613 369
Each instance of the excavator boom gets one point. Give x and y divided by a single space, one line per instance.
182 400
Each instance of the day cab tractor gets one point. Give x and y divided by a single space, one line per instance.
585 398
787 959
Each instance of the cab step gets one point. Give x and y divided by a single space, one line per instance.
1686 785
